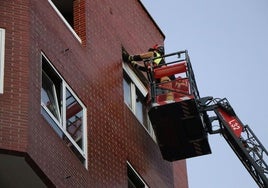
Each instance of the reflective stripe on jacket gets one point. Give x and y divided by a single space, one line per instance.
158 60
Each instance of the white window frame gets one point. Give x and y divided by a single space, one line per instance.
135 79
137 174
2 58
65 21
61 124
137 84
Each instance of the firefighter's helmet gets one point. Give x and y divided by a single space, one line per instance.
159 48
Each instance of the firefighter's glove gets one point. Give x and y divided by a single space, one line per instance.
134 64
128 58
131 58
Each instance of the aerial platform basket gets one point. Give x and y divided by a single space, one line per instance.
179 130
173 110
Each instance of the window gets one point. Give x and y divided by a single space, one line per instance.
2 56
135 98
134 180
72 12
63 110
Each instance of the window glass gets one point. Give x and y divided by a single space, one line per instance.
74 118
139 110
127 91
49 96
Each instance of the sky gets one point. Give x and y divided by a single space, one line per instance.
228 46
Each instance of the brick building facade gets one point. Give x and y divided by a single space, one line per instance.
65 120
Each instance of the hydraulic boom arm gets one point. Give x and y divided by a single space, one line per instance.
240 137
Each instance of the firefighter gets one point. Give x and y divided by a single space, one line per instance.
157 51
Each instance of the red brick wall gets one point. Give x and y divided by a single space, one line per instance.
94 71
180 176
14 103
80 19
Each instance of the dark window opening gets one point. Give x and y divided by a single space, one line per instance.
134 181
74 16
66 9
